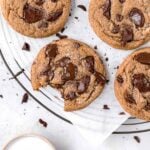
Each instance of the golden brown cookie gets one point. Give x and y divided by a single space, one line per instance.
123 24
36 18
73 68
132 84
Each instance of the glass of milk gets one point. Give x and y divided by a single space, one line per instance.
29 142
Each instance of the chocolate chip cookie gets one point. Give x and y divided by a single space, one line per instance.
71 67
36 18
132 84
123 24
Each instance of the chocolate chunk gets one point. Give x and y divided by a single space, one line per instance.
137 139
119 17
71 96
100 79
39 2
107 9
43 123
25 98
26 47
83 84
89 63
106 107
116 29
120 79
55 15
137 17
70 72
122 1
61 36
51 50
82 7
143 58
32 14
141 82
126 36
63 61
129 98
43 24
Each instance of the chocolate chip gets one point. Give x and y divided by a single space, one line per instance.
43 24
43 123
143 58
116 29
106 107
95 47
129 98
26 47
55 15
107 9
119 17
61 36
137 17
32 14
83 84
141 82
70 72
63 61
71 96
39 2
89 63
62 30
51 50
126 36
100 79
82 7
25 98
122 1
120 79
137 139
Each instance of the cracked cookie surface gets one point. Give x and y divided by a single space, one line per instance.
132 84
36 18
73 68
123 24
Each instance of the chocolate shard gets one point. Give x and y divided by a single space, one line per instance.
107 9
137 17
143 58
32 14
26 47
54 15
83 84
137 139
82 7
25 98
141 82
44 123
126 36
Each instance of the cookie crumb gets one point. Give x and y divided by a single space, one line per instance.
43 123
76 18
106 59
137 139
95 47
25 98
26 47
61 36
122 113
82 7
106 107
62 30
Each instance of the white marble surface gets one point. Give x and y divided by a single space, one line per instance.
17 119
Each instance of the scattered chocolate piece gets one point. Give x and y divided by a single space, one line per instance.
120 79
32 14
122 113
143 58
26 47
43 123
62 30
129 98
17 74
76 18
119 17
141 82
122 1
61 36
1 96
106 59
95 47
107 9
106 107
55 15
126 36
39 2
137 17
43 24
25 98
137 139
82 7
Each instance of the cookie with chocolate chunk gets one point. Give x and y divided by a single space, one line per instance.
132 84
73 68
123 24
36 18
